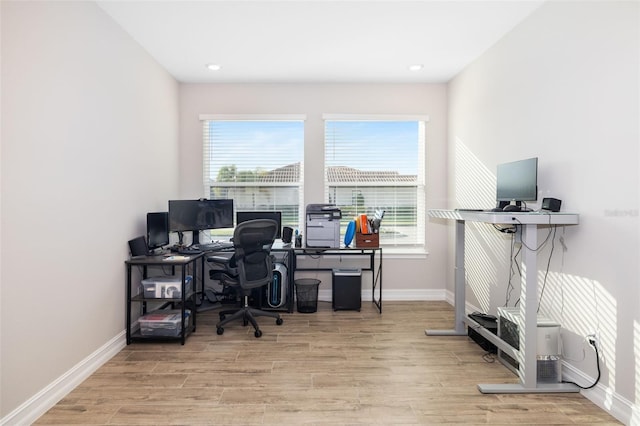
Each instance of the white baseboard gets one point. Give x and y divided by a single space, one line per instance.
36 406
394 295
619 407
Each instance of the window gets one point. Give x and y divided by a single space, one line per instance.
257 161
378 164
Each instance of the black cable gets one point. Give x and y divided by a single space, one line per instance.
489 358
595 347
510 286
546 273
542 243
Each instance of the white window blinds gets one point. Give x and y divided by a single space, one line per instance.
378 163
256 161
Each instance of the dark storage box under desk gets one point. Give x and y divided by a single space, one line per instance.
346 289
490 324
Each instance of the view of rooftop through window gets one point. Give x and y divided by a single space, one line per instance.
370 165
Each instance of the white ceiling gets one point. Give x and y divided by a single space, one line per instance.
317 41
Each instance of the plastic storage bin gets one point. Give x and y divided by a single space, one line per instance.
165 287
163 323
307 295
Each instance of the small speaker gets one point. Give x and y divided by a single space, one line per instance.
138 247
551 204
287 233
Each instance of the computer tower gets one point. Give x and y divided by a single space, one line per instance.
548 356
346 289
276 290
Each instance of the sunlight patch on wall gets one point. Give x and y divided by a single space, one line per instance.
475 184
583 307
486 259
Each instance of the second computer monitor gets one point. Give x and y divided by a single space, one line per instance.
199 215
251 215
157 230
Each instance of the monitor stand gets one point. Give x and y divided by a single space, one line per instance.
195 240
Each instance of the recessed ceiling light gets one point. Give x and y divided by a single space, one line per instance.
416 67
214 67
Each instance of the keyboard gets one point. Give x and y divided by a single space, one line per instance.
220 245
189 250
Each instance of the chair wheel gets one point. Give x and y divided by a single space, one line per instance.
279 321
220 330
258 333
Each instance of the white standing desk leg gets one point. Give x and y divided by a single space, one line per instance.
527 356
460 283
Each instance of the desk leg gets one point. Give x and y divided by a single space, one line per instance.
460 283
128 318
527 358
376 279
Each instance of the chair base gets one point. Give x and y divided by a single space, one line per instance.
248 315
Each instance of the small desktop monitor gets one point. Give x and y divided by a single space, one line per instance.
251 215
200 215
517 181
157 230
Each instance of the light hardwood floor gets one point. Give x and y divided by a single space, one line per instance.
327 367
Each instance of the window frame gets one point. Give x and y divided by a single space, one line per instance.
419 185
206 165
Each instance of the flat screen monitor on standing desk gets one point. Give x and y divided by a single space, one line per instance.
252 215
200 215
517 182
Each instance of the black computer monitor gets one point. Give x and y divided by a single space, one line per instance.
517 181
199 215
157 230
251 215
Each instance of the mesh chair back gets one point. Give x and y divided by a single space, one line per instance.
252 241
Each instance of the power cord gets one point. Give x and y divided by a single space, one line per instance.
592 342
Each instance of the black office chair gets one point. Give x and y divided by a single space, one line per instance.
250 267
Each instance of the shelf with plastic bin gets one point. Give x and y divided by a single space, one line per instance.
164 324
164 288
185 268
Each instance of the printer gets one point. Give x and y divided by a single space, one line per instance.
323 226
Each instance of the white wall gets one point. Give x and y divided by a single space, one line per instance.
89 145
563 86
418 276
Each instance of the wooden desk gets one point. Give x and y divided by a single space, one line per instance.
529 221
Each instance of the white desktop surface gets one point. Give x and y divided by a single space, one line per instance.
540 217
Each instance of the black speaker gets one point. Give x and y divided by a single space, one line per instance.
287 233
551 204
138 247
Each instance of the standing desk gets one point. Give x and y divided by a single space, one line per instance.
526 356
372 252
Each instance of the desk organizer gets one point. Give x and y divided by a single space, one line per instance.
367 240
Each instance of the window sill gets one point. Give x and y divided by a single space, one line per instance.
405 252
